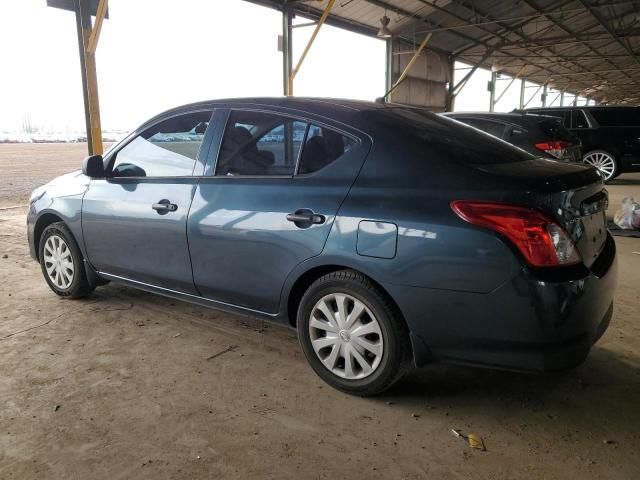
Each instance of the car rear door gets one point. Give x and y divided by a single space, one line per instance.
134 221
267 203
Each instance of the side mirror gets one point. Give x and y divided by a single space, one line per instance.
93 166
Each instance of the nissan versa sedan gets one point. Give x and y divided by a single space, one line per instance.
388 236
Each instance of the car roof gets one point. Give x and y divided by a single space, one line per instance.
506 116
339 110
306 104
585 107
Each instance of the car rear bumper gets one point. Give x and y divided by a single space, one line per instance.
528 323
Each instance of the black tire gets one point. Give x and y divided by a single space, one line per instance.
79 286
396 354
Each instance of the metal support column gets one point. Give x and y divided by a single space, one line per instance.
544 95
87 43
287 49
522 87
451 98
562 98
319 25
492 91
388 79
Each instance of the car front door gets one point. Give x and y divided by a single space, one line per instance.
268 204
134 221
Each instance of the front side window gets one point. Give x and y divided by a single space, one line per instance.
167 149
258 143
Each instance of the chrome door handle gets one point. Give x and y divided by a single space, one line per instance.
164 206
305 218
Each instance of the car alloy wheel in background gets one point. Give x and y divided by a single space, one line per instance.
604 162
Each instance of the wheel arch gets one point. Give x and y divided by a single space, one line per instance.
305 279
599 148
420 352
43 222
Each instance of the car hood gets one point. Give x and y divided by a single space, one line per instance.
74 183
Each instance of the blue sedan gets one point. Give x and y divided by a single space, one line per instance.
388 236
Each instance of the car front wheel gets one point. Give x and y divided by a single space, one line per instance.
62 262
604 162
352 334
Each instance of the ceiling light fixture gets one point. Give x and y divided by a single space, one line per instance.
384 31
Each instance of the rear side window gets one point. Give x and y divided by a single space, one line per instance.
322 147
167 149
563 115
579 120
616 117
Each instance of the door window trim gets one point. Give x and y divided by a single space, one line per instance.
212 163
200 157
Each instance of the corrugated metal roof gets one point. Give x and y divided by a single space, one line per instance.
588 47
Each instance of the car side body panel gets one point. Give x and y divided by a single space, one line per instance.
242 244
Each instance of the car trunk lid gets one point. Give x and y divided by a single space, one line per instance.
571 194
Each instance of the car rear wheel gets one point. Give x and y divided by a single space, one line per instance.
62 262
352 334
604 162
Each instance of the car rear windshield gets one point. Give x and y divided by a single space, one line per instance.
616 117
552 129
453 140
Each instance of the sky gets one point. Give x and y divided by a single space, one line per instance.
153 55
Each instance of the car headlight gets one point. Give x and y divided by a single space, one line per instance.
37 194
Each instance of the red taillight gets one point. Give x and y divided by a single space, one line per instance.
542 242
556 148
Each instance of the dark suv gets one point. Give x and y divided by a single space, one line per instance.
540 135
610 135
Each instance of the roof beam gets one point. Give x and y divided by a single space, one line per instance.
608 29
511 31
400 11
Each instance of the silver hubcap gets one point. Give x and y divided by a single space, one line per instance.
58 262
346 336
602 162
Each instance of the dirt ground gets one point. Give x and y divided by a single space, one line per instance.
122 385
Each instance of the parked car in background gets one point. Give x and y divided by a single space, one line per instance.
610 135
388 236
537 134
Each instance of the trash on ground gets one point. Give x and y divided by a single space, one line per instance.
230 348
628 217
474 441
